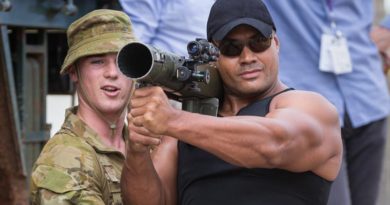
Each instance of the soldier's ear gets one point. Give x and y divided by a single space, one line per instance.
73 73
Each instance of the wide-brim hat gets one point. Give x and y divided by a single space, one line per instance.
98 32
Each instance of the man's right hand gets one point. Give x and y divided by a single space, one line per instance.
381 37
140 139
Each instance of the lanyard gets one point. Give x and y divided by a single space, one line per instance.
329 9
333 26
329 3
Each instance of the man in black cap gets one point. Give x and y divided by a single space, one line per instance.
270 144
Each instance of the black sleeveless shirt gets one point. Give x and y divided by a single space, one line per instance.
204 179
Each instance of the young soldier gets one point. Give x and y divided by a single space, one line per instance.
82 162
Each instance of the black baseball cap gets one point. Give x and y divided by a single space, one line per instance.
227 14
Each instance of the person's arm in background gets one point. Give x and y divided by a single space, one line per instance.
381 36
144 15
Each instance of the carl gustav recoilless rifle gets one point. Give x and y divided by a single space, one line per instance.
193 81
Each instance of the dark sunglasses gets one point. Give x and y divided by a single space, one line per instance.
233 48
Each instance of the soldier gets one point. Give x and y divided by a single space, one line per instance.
82 163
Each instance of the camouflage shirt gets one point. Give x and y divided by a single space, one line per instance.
75 167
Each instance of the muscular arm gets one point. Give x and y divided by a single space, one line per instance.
300 133
149 178
296 135
165 161
140 183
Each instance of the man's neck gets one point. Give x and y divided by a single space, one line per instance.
232 103
110 137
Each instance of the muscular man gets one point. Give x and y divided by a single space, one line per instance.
270 144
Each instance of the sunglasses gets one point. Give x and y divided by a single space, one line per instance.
233 48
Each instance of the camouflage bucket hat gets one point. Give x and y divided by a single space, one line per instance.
98 32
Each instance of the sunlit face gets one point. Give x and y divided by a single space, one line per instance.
249 73
106 87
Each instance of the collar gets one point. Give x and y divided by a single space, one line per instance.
79 128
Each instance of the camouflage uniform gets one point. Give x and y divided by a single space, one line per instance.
75 167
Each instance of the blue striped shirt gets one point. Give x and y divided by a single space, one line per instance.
168 24
362 93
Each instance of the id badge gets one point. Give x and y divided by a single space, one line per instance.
340 56
335 56
326 64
